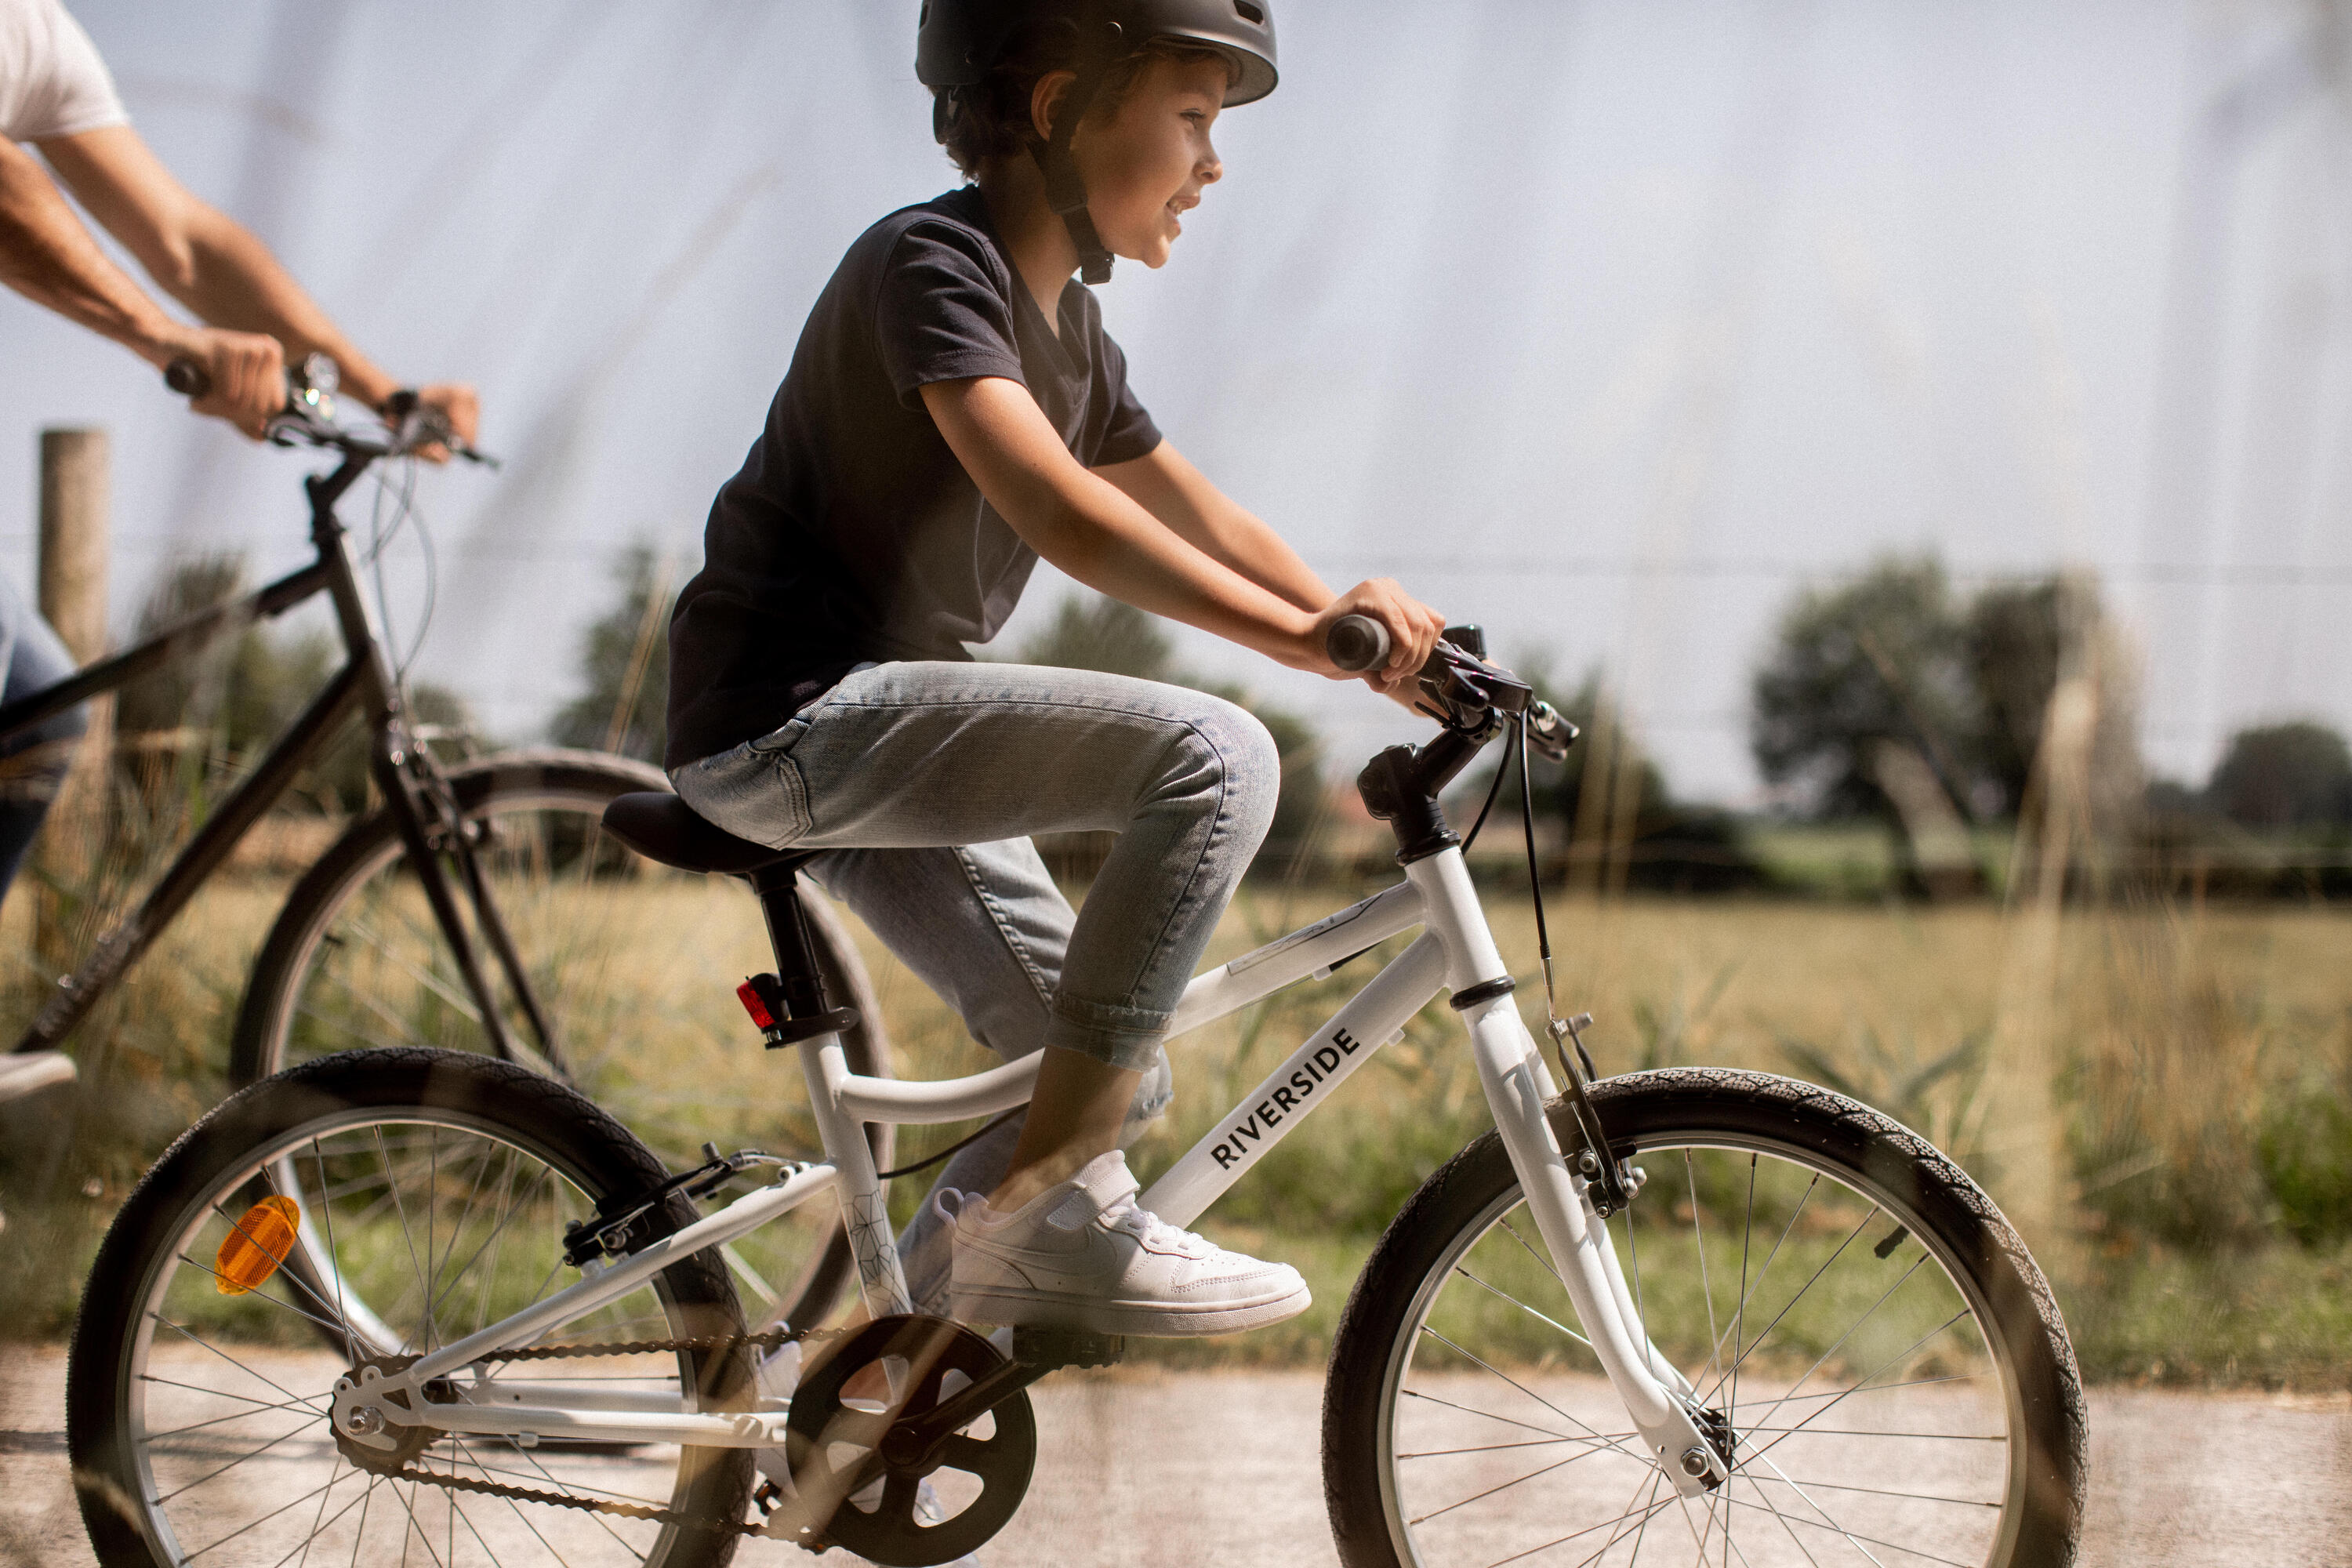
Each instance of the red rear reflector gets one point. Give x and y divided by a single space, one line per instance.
753 1006
256 1247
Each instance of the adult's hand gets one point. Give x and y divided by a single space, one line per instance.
459 409
246 372
1414 630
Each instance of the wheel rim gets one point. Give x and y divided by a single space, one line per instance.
1922 1459
224 1400
638 964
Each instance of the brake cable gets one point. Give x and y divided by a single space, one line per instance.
1609 1189
1492 789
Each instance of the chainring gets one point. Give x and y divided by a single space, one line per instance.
845 1491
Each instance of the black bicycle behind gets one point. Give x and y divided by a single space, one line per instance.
480 905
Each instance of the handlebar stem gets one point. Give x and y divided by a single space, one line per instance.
1402 784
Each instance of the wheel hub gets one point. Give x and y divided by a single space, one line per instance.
366 1416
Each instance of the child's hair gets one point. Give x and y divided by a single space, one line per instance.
991 119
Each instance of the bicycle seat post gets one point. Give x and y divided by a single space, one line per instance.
780 905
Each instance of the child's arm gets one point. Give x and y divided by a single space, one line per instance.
1084 525
1171 488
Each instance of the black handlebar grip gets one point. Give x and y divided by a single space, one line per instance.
1357 644
187 378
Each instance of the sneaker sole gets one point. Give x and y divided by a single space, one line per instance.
1148 1320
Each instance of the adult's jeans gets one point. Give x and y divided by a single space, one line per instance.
31 764
923 780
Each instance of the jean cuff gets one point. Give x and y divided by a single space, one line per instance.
1126 1037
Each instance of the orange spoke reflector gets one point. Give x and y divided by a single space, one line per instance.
256 1246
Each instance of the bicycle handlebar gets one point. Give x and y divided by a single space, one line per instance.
304 421
187 378
1357 643
1458 677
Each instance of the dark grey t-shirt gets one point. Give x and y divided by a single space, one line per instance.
852 533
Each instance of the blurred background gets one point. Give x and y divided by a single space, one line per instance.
1911 438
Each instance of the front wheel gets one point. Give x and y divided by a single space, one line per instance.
1888 1367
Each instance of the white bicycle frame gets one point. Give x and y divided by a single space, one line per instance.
1454 951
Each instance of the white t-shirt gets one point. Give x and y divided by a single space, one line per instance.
52 82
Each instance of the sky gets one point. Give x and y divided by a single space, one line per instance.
1611 324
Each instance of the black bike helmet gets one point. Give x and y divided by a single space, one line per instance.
959 42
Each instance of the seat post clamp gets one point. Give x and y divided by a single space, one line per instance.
762 997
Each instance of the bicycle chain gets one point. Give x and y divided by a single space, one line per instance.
771 1339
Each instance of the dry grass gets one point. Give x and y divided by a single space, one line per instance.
2149 1090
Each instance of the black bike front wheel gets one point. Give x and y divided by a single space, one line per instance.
1892 1374
439 1186
634 964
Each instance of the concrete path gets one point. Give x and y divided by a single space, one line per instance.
1147 1468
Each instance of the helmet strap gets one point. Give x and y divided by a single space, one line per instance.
1066 189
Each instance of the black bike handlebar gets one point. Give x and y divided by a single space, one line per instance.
412 426
1357 643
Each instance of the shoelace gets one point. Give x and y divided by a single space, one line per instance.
1154 1232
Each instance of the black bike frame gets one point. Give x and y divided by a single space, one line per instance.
414 791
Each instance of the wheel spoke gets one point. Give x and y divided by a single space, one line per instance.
1788 1305
1540 1317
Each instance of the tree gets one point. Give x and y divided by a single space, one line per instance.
2016 635
1659 845
1884 659
1108 635
2283 776
624 665
2020 638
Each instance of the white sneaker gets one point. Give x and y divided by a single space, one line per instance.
1082 1256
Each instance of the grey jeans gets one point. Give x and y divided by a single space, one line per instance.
924 781
33 764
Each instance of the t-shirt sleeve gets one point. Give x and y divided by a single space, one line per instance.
1128 433
66 89
942 314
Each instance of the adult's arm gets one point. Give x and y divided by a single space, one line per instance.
50 258
1099 535
214 265
1165 484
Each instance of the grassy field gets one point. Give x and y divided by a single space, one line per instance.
2157 1096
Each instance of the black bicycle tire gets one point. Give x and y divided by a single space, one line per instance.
537 1113
1757 1106
593 777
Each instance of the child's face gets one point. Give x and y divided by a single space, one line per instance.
1147 164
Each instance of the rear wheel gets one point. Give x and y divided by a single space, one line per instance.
439 1186
1894 1376
636 964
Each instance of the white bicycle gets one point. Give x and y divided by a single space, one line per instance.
420 1305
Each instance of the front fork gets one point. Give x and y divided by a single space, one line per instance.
1657 1397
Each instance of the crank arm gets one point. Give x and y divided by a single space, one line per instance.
1035 1352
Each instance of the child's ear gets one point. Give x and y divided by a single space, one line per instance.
1045 102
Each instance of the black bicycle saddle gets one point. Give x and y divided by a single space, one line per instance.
665 828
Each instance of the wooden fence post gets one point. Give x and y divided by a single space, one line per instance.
75 485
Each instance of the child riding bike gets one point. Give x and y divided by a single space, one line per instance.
954 411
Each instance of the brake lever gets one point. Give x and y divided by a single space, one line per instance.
414 424
1467 685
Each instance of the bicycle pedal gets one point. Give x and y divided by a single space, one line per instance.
1053 1350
